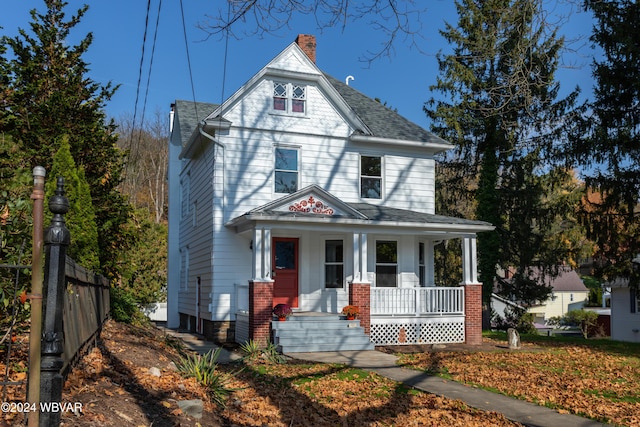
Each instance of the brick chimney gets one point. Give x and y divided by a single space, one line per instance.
308 45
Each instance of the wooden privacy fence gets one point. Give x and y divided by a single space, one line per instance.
86 307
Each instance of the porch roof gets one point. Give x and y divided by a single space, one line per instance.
336 214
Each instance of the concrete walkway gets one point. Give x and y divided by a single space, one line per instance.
385 364
199 344
516 410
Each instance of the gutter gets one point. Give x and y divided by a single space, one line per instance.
437 147
221 145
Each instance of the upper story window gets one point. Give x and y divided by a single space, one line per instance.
185 195
289 97
286 170
371 177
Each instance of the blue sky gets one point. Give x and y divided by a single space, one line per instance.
402 80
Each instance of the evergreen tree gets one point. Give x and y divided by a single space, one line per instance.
80 219
610 152
48 95
503 114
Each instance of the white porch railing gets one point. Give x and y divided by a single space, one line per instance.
417 301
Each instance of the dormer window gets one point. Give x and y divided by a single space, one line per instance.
289 98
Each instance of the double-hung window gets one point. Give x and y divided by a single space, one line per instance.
286 170
333 264
386 263
371 177
289 98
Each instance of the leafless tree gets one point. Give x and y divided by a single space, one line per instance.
146 171
397 20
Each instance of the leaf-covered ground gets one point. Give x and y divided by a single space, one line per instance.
598 380
116 388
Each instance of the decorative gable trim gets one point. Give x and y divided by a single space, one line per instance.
312 200
311 205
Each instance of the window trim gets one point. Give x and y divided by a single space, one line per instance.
335 263
361 176
386 264
289 98
297 171
185 195
184 268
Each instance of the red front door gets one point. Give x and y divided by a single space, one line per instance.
285 268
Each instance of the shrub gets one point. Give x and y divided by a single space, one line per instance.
124 307
515 318
584 319
204 369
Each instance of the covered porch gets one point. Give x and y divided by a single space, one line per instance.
379 259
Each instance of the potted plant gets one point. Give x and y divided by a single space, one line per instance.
282 311
351 311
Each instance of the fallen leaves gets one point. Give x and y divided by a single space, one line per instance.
575 378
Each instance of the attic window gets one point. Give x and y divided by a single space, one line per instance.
285 92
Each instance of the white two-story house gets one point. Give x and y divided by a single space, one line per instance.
299 189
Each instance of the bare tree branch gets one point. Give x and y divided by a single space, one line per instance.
397 20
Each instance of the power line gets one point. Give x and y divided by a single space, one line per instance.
186 44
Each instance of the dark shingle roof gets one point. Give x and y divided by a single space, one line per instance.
383 213
381 121
189 114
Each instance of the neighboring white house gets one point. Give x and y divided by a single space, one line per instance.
569 293
625 311
299 189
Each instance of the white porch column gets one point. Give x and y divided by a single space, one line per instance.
356 257
256 259
360 258
469 260
266 256
261 253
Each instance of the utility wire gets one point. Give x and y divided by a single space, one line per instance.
144 42
186 44
146 94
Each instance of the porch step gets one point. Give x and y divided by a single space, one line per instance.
319 332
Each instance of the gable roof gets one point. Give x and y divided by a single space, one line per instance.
382 121
567 280
188 114
372 121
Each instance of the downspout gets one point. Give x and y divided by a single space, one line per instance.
224 204
221 145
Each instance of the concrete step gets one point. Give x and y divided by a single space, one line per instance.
325 347
319 332
314 324
347 339
301 332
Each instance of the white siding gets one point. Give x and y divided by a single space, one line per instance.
625 325
227 182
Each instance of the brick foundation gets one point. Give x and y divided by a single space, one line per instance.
260 311
473 313
360 295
